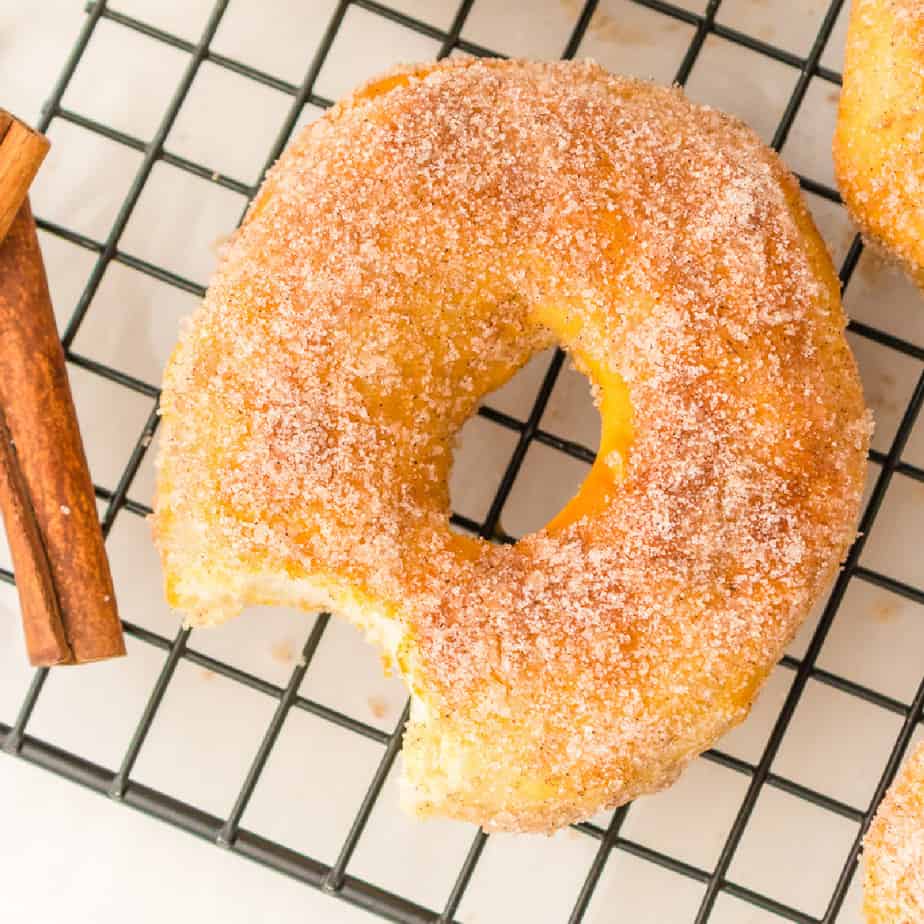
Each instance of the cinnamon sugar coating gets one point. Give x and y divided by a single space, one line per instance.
893 850
879 142
408 253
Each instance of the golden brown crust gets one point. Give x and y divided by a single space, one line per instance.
879 142
893 851
409 252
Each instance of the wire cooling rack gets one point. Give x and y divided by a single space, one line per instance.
335 878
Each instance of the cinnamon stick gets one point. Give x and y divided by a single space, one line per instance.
39 411
46 640
22 151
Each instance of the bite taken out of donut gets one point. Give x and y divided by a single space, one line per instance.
879 141
410 251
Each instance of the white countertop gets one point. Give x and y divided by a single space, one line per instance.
69 855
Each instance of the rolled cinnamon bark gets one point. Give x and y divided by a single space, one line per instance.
39 411
43 627
22 151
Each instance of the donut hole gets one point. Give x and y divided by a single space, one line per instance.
547 482
558 460
480 456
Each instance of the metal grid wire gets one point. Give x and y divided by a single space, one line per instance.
227 832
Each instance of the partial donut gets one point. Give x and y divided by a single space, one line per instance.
893 850
409 252
879 142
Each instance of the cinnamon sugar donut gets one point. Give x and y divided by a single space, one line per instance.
408 253
879 142
893 851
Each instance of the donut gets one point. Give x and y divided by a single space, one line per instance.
409 252
893 850
878 150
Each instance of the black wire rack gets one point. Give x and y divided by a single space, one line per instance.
118 783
